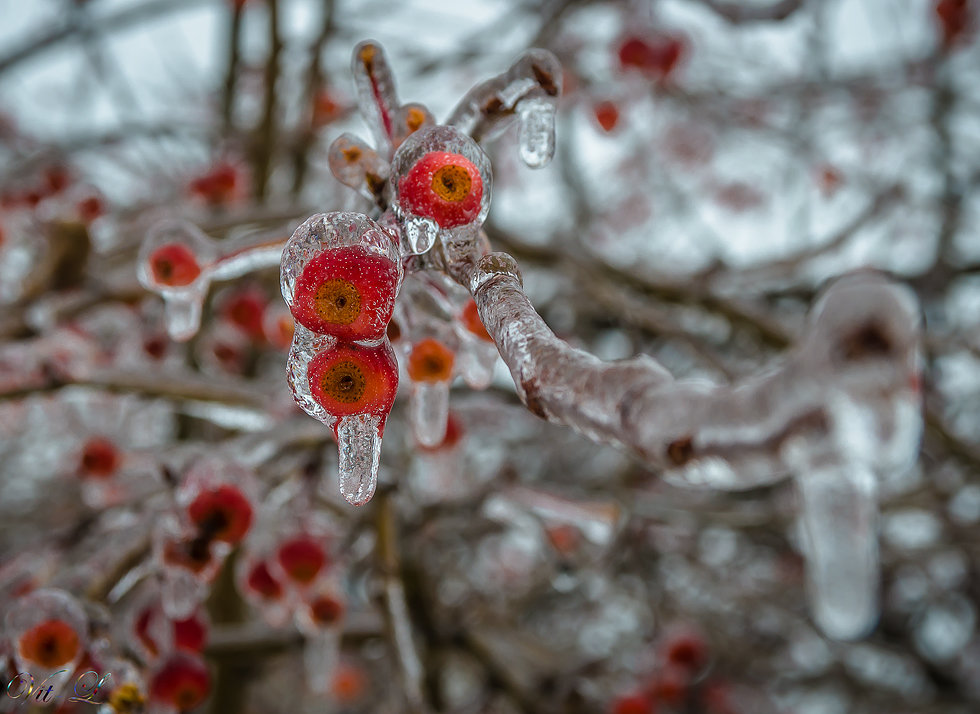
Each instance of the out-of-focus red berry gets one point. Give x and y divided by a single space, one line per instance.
193 554
301 559
739 196
347 292
473 323
223 513
190 634
155 346
90 208
351 379
141 627
56 179
829 179
564 538
954 20
670 685
99 458
182 683
348 683
632 704
607 114
49 644
326 610
246 310
218 186
656 55
261 581
326 108
686 649
442 186
174 265
431 361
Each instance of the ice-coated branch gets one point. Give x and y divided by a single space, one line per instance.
528 93
839 412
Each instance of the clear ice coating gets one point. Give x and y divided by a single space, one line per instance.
536 131
359 449
176 261
247 259
422 231
429 412
527 92
44 615
377 99
355 164
477 360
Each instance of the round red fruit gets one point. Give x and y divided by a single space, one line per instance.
351 379
445 187
223 513
346 292
174 265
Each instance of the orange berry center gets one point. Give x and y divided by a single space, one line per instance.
431 361
452 183
337 301
344 382
49 644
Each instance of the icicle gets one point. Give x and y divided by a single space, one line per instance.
182 314
429 412
476 363
359 448
528 91
536 133
377 99
838 512
355 164
320 656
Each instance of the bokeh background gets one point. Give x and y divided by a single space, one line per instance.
717 163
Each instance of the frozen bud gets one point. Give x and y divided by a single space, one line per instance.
358 166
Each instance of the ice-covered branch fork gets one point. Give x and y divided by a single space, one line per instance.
840 411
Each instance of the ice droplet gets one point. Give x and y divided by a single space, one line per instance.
420 233
492 265
182 313
359 448
476 363
839 514
430 412
320 657
536 132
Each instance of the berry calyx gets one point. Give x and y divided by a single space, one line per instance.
431 361
301 559
351 379
442 186
49 644
223 513
173 265
347 292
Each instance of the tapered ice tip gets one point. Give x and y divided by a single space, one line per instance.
359 446
430 412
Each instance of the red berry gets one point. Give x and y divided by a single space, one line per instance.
607 115
348 682
473 323
326 610
49 644
173 265
183 683
326 108
445 187
954 19
347 292
142 629
261 581
656 56
302 559
190 634
218 185
632 704
100 458
431 361
90 208
223 513
350 379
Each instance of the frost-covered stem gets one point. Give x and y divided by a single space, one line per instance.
862 341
